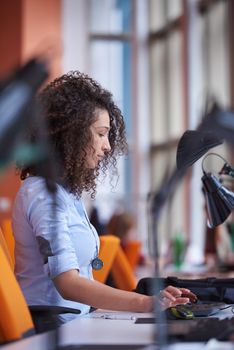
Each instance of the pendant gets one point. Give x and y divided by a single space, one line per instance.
97 264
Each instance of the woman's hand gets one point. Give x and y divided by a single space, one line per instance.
172 296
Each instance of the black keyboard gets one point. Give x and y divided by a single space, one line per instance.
198 310
204 309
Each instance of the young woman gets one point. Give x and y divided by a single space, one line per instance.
56 250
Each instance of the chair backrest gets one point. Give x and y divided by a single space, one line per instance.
132 249
122 272
43 317
4 246
109 245
9 238
15 318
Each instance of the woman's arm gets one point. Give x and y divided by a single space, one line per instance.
73 287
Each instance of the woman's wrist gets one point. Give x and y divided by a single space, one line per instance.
145 303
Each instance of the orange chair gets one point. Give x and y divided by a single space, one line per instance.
132 250
109 245
15 318
9 238
122 273
4 246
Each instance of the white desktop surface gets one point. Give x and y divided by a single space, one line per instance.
105 327
106 331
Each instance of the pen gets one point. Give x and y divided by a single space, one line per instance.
118 317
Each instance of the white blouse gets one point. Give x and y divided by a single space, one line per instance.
49 242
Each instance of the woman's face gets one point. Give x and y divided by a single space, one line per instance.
100 133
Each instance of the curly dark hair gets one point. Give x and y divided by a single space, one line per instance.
70 104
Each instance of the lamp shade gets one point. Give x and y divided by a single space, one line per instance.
219 200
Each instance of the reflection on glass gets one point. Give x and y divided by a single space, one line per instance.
110 16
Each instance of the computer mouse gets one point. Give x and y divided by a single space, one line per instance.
179 312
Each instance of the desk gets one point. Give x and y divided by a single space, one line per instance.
94 329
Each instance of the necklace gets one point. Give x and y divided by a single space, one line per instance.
96 263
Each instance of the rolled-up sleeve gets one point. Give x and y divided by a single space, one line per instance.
61 263
49 220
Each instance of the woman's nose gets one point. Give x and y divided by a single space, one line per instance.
106 145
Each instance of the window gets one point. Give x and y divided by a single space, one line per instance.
209 72
160 59
111 63
191 58
167 43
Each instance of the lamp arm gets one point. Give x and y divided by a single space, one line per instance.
227 170
167 189
158 202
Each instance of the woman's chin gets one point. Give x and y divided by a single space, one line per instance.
92 165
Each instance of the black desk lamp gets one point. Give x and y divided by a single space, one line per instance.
216 126
193 145
219 200
19 111
16 107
